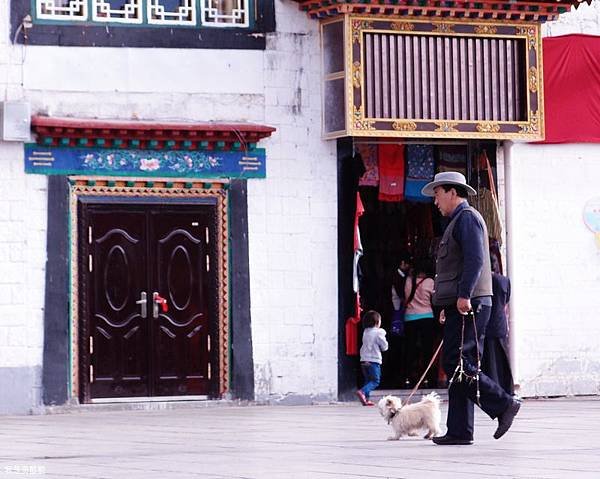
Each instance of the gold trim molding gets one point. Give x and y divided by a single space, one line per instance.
533 79
360 123
357 27
533 127
446 126
488 127
531 33
404 125
403 26
443 27
356 74
486 30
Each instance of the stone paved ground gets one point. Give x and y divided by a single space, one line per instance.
550 439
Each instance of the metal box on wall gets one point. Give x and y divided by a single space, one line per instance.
15 120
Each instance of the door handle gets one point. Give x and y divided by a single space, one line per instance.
143 301
158 300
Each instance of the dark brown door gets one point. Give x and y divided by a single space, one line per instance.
182 268
135 259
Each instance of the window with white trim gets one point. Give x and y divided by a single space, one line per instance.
205 24
181 13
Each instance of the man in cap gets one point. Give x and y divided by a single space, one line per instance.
463 284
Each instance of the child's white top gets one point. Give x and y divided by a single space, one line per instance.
373 342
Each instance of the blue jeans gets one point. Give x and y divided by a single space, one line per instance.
372 374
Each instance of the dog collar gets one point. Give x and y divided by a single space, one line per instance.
392 417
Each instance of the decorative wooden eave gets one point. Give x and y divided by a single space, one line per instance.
514 10
152 135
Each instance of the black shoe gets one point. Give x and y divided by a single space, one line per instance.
451 441
506 419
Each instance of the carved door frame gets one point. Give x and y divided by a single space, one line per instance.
181 192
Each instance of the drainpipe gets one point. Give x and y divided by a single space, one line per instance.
508 147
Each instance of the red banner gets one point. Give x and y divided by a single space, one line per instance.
572 89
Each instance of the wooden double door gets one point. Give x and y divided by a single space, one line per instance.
148 300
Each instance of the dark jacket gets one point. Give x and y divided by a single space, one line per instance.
497 326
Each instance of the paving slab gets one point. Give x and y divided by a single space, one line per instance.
550 439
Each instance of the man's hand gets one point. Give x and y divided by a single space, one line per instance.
463 305
442 316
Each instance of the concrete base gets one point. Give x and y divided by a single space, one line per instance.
21 389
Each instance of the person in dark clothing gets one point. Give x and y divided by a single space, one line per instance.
495 362
463 288
397 372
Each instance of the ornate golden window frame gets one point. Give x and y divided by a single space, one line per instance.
358 125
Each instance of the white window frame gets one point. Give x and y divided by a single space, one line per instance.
198 10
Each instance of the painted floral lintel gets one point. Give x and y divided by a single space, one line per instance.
221 164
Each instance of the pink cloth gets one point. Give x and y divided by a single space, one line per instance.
421 303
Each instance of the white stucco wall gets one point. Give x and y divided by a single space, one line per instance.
292 214
22 254
293 226
583 19
554 263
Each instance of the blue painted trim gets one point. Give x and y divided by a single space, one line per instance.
145 163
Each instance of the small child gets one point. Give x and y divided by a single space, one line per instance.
373 343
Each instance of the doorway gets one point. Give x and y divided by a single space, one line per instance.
148 314
397 230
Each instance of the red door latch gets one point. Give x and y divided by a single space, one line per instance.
158 299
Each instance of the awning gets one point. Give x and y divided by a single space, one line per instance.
155 135
531 10
91 147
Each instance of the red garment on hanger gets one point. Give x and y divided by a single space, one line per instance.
353 321
352 330
360 209
391 172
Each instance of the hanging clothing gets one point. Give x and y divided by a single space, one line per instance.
419 226
486 204
391 172
420 171
358 249
352 329
357 167
353 321
453 158
368 153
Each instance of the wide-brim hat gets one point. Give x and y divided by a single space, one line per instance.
447 178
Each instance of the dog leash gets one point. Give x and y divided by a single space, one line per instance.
460 373
414 390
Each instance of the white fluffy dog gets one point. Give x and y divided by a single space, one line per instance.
411 418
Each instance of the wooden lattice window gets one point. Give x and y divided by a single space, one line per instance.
183 13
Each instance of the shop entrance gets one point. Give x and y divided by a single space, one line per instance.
400 230
147 300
